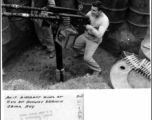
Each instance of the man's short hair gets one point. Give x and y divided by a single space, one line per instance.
97 4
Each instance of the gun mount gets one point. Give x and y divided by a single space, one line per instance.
62 33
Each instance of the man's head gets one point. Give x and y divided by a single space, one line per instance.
96 8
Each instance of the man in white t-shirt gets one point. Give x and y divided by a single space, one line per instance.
87 43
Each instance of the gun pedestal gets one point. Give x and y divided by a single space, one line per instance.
63 39
59 60
60 73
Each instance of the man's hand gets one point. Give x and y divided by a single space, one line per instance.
89 27
44 13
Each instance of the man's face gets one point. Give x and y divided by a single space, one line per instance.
95 11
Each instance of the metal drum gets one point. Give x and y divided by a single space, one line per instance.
68 4
123 76
6 30
139 17
144 51
116 11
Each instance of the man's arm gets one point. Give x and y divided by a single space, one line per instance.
88 14
102 29
51 3
100 32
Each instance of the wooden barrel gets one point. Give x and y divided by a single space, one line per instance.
116 11
68 3
22 24
122 77
138 17
6 30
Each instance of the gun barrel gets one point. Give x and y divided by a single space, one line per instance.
71 15
26 15
52 9
56 13
15 6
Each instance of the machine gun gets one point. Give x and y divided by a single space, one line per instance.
62 33
77 17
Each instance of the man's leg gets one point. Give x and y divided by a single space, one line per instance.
79 45
88 56
49 41
39 33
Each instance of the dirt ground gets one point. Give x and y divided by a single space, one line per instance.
36 68
33 69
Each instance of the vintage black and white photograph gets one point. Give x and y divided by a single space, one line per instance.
75 44
76 59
